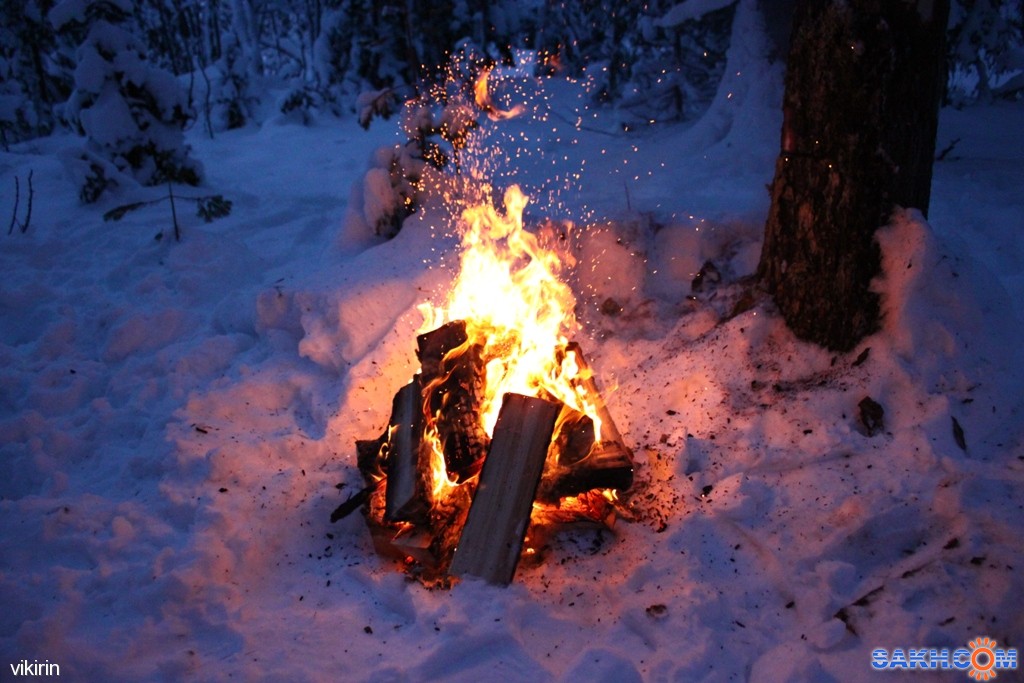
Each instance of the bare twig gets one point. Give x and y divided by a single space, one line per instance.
14 213
208 207
949 148
23 227
28 213
206 95
174 213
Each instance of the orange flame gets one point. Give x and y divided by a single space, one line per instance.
482 95
516 307
440 483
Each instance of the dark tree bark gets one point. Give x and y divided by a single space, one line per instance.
863 85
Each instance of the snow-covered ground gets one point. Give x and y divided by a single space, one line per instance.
175 417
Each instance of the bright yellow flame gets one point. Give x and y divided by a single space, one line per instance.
440 483
516 307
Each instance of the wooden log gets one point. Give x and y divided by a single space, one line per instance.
453 380
406 499
492 537
447 519
582 462
433 346
609 432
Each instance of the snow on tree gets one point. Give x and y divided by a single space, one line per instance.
987 37
233 103
31 78
677 63
131 112
367 45
653 61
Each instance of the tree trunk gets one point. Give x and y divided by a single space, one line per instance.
863 86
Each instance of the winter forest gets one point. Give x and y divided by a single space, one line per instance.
470 340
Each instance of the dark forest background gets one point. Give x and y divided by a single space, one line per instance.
131 75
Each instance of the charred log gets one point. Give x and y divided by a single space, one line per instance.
578 463
447 521
586 461
433 346
369 460
453 376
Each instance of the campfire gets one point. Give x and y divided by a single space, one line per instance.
502 437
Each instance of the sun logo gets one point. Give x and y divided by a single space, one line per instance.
983 658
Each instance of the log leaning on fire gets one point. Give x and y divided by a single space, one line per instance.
405 496
492 537
453 386
583 463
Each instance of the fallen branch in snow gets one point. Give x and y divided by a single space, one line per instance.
23 227
958 435
354 502
947 149
208 207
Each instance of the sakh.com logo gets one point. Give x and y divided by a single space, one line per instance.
981 659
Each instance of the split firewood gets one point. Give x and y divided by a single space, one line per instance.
584 461
406 498
447 521
492 538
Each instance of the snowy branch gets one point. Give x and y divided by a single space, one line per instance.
690 10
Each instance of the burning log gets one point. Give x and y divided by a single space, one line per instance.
433 346
446 500
582 463
492 537
406 498
586 462
453 373
585 379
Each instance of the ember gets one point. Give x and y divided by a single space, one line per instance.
502 436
